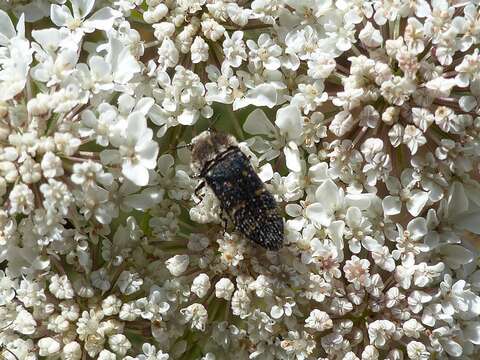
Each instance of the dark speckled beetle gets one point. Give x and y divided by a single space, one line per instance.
217 159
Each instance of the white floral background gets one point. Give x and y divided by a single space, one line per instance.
362 117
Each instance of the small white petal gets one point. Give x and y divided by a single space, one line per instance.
316 212
416 202
60 15
457 200
7 31
417 228
276 312
102 19
265 173
257 123
456 255
472 332
136 173
391 205
452 347
262 95
292 157
289 120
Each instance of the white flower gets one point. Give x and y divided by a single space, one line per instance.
277 311
21 199
422 118
425 274
408 241
241 303
106 355
350 356
72 351
201 285
177 264
327 253
128 312
57 198
468 69
66 143
212 30
224 288
417 299
262 286
119 344
310 96
397 90
196 314
299 345
370 353
48 346
266 53
234 49
75 20
58 324
99 279
440 86
70 310
342 123
380 331
30 171
231 250
163 30
150 353
61 287
383 258
459 298
89 172
320 66
24 322
289 121
199 50
417 351
413 328
378 163
129 282
137 149
168 54
414 35
330 199
7 288
111 305
257 123
156 13
318 320
16 57
370 36
357 272
403 191
341 34
413 138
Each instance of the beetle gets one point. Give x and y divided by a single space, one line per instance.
219 162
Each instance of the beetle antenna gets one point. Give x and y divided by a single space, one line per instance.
182 146
214 120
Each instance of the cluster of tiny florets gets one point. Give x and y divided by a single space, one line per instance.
362 118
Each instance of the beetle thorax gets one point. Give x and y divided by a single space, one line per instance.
207 146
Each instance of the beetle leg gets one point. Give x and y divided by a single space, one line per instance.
224 221
197 194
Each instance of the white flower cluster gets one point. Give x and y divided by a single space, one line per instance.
362 117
